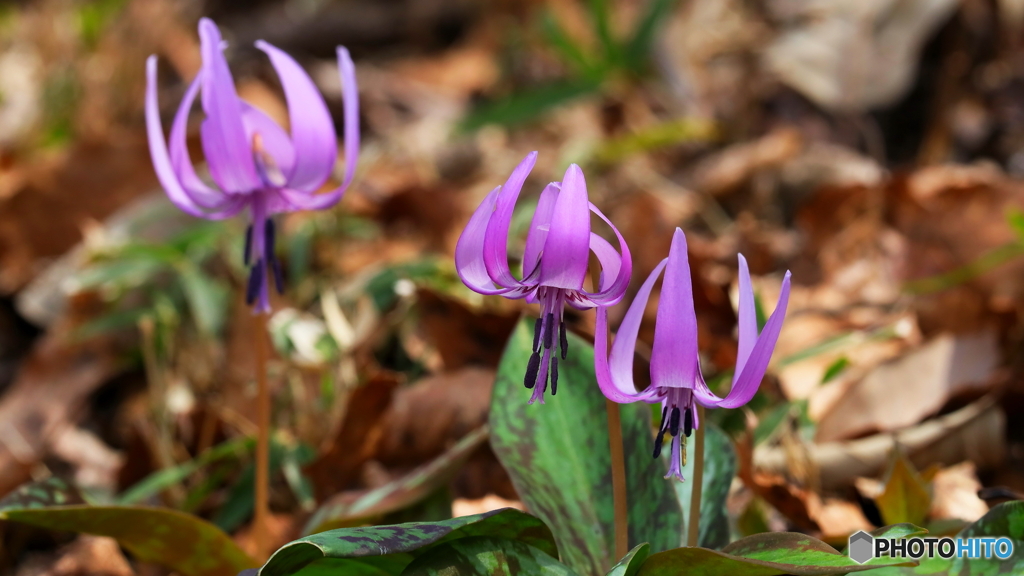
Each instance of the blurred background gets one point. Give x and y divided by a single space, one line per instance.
873 148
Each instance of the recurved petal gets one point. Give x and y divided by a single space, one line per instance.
469 251
608 257
616 269
312 128
227 149
539 226
615 370
296 200
567 247
495 241
350 101
201 194
746 382
674 361
162 161
273 138
747 316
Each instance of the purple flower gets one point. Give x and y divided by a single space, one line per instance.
554 263
676 380
253 162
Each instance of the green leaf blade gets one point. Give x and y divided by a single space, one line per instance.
411 538
187 544
485 557
557 455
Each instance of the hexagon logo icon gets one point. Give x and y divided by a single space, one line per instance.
861 547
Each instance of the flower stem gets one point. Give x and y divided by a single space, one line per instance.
261 517
618 480
698 480
615 447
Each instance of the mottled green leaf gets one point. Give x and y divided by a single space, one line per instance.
391 565
339 512
486 557
902 530
557 455
408 539
184 543
771 554
1006 519
934 566
719 470
631 563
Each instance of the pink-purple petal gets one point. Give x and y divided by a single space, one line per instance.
228 151
273 138
181 161
495 242
607 257
469 251
674 361
616 289
312 129
615 370
302 201
162 161
615 388
350 102
748 380
539 226
746 316
567 246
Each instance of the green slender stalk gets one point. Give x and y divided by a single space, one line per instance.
693 526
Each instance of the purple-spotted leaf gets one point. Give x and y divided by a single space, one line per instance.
343 511
401 543
557 455
486 557
187 544
771 554
1006 519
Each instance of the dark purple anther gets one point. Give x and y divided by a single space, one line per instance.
554 375
536 334
563 340
247 254
532 369
660 437
257 276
